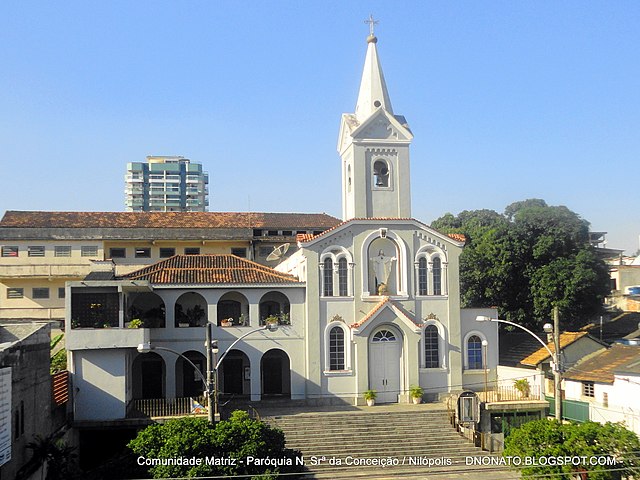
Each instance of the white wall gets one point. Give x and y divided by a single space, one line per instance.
623 400
99 383
506 376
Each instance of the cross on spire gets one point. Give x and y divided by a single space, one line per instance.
371 23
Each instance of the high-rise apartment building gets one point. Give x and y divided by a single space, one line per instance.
166 184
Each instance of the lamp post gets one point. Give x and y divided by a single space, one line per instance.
555 356
485 344
271 327
210 383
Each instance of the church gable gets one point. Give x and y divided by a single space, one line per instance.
382 126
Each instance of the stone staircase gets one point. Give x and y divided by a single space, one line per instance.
418 443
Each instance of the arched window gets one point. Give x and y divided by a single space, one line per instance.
384 336
422 276
437 276
380 173
342 277
431 353
336 349
328 278
474 352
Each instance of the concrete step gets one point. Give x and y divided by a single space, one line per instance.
412 442
376 441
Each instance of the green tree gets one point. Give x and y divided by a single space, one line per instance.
59 358
237 438
53 455
552 439
527 260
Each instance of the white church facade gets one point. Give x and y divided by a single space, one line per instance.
370 304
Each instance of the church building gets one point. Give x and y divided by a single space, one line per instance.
372 303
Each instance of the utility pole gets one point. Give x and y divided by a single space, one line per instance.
210 364
557 373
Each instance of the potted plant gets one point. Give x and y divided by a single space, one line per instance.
181 317
416 392
271 319
522 385
135 323
194 315
370 397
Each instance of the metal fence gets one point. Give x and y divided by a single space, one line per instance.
167 407
571 409
504 393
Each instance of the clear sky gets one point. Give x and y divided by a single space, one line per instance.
507 101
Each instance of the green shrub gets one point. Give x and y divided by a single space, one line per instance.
238 439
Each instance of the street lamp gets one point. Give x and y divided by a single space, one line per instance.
210 383
555 356
212 348
485 344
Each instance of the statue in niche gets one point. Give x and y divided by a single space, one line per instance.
382 265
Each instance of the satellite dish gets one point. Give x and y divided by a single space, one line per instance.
278 252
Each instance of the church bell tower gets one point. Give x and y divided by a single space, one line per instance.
374 147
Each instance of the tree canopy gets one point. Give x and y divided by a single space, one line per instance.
527 260
610 451
237 439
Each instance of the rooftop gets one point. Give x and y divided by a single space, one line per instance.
41 219
540 355
210 270
602 366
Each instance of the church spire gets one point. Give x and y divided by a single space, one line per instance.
373 89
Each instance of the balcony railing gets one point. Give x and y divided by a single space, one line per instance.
280 319
507 393
167 407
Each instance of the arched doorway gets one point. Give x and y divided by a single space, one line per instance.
148 373
275 372
188 381
234 374
385 350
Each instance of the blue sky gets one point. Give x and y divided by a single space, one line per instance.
507 101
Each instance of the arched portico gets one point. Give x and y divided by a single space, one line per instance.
148 307
191 310
188 381
148 371
234 374
275 373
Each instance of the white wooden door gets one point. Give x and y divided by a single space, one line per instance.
384 365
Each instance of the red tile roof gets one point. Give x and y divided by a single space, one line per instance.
289 221
566 338
208 270
304 237
457 236
602 366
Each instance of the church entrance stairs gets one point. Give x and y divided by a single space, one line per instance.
414 441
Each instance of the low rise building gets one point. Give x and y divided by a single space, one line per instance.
40 251
607 385
28 408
